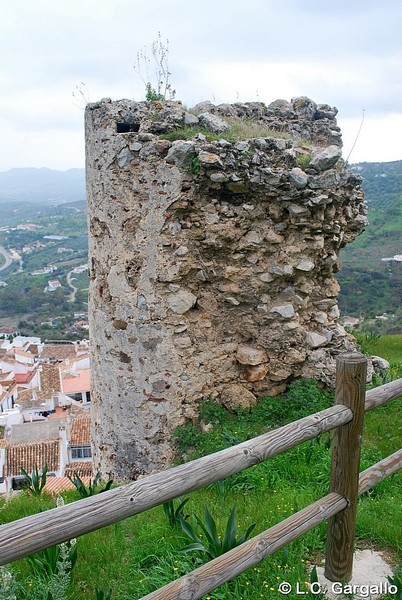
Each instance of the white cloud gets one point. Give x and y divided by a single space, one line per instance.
52 148
346 54
378 141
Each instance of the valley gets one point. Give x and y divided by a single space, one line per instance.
43 267
43 238
371 287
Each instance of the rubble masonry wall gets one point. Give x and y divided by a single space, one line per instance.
211 263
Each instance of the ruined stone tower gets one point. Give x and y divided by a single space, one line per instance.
212 253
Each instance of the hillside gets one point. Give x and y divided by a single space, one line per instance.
369 285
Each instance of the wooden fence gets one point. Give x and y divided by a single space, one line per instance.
30 534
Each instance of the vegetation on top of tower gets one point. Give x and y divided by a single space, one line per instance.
154 72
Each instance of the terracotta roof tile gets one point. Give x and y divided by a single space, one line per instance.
55 485
80 432
31 398
27 455
33 348
58 352
50 380
24 377
81 468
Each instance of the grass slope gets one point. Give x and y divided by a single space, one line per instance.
138 555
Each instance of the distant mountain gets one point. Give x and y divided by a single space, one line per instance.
382 182
43 186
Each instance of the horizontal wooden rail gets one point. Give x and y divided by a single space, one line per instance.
36 532
380 395
380 471
222 569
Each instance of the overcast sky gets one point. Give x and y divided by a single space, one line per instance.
346 53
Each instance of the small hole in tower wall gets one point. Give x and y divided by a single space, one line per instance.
127 127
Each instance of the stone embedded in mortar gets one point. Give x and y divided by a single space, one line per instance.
181 251
334 313
281 270
295 210
250 355
183 341
236 187
181 301
266 277
315 340
298 178
209 159
255 373
285 310
236 396
218 177
324 111
320 317
190 119
180 153
124 157
305 265
213 123
280 374
273 238
323 159
305 107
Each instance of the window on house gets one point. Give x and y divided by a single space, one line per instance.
18 483
80 452
77 396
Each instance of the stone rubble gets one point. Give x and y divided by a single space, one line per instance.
212 263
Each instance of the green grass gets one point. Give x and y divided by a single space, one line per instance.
140 554
239 129
389 347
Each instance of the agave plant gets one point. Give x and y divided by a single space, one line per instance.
214 544
175 514
35 482
101 594
92 488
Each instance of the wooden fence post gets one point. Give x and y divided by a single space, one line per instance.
350 388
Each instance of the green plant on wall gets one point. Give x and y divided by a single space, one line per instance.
193 165
154 71
303 160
